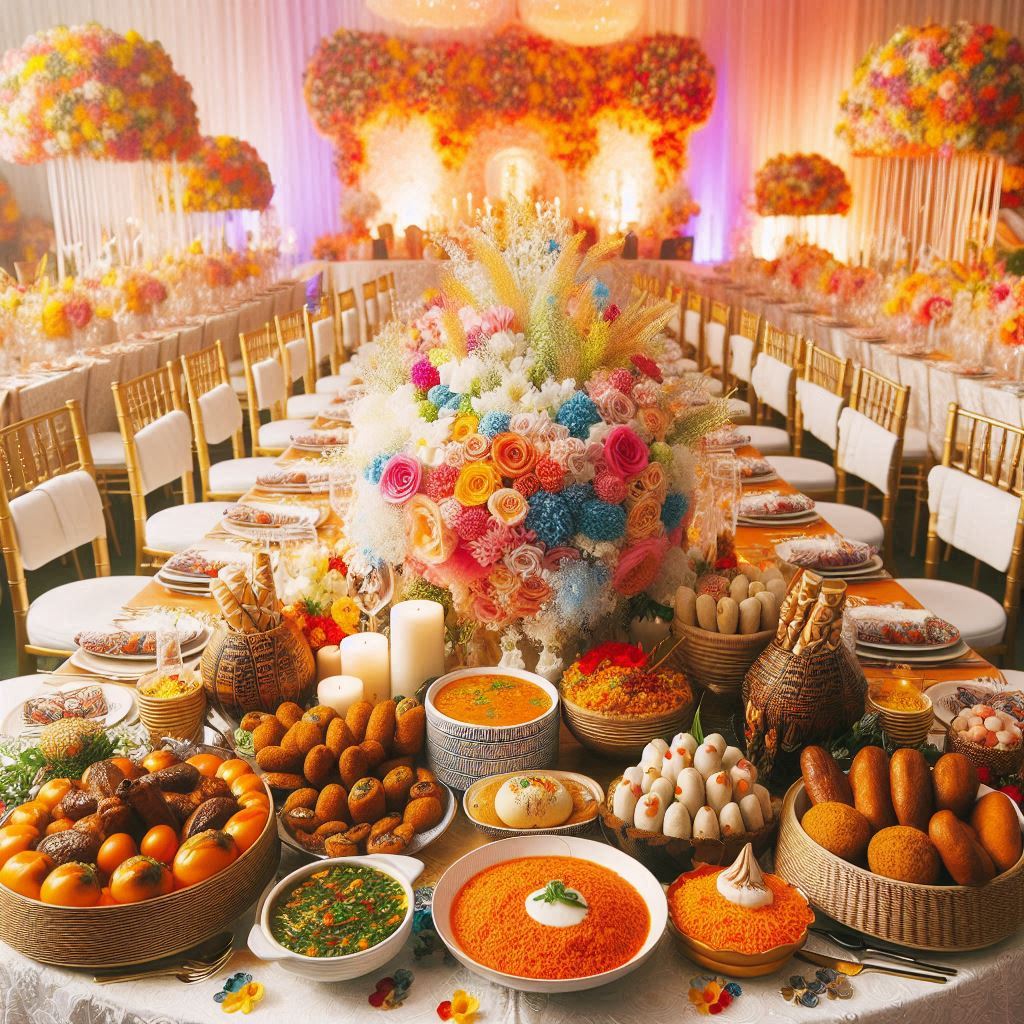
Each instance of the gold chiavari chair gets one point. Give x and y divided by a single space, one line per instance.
291 336
217 417
744 345
371 318
385 300
716 339
267 391
49 507
693 325
787 349
319 324
976 501
820 392
157 435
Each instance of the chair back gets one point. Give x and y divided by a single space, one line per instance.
743 345
716 336
820 397
693 323
213 405
157 437
49 505
346 327
266 386
291 336
976 505
774 374
371 315
385 300
319 338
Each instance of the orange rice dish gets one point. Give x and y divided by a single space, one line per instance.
701 912
490 922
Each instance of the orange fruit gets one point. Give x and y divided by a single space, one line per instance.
51 793
72 885
59 825
116 849
34 813
233 769
128 767
160 843
250 783
246 826
203 855
106 899
140 878
157 759
16 839
255 798
25 872
207 764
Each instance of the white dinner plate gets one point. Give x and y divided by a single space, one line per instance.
915 657
950 698
190 589
799 519
913 648
868 568
192 636
120 705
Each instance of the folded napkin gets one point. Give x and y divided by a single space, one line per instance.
892 624
82 702
774 503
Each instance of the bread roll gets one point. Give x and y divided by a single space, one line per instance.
750 615
963 856
869 780
728 616
707 613
769 609
686 606
738 588
756 587
911 787
955 784
823 778
998 827
777 588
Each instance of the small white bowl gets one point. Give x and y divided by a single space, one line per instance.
404 870
622 864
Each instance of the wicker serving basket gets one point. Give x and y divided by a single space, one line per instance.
621 738
719 661
665 857
947 918
999 762
136 933
180 716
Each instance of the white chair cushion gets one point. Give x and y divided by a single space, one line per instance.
767 440
56 616
981 619
1014 679
866 449
330 385
915 445
222 413
163 450
107 450
175 528
771 379
236 368
238 386
268 382
323 338
278 433
686 365
714 386
302 406
850 521
739 410
807 475
236 476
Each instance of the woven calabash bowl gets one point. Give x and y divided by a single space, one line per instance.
136 933
620 737
999 762
719 661
945 918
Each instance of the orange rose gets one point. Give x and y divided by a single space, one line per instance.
476 447
508 506
476 483
644 519
654 421
513 455
429 539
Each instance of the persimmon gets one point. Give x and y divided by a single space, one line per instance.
203 855
34 813
106 899
116 849
140 878
160 843
59 825
157 759
246 826
255 798
128 767
25 872
232 769
250 783
72 885
15 839
207 764
51 793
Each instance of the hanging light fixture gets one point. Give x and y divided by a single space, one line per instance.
582 22
450 15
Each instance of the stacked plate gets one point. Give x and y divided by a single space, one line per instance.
460 753
909 727
759 514
913 654
276 519
758 471
301 477
869 565
193 636
320 440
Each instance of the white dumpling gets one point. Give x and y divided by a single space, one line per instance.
731 756
730 820
690 790
705 824
716 739
708 759
719 790
625 797
677 757
677 822
750 808
743 776
665 789
650 812
685 740
653 752
652 772
764 798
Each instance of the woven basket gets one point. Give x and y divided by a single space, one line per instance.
999 762
948 918
180 717
666 857
621 738
719 661
136 933
254 671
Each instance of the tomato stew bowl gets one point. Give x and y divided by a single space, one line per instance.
404 870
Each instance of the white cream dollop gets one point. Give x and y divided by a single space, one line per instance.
743 883
557 914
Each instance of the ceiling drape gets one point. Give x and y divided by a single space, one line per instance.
781 65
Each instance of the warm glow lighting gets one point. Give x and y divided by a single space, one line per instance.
620 181
582 22
769 234
443 14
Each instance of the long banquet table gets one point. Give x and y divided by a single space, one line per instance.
989 986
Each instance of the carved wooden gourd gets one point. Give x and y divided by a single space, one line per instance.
257 671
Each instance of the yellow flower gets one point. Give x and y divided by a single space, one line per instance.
345 613
476 483
464 426
464 1007
245 999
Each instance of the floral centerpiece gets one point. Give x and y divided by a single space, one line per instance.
10 213
225 173
519 453
316 598
801 185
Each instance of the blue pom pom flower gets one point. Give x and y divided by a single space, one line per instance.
578 415
600 520
550 518
673 510
375 469
494 423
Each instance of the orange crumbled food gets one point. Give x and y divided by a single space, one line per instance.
490 922
701 912
632 692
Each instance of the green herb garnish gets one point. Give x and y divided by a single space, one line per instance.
556 892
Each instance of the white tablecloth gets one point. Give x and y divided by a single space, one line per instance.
988 990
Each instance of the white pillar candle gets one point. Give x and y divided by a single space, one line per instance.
328 661
417 645
339 692
365 655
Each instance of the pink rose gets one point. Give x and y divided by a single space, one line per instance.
615 407
400 479
497 318
527 560
646 392
625 454
476 447
485 610
638 566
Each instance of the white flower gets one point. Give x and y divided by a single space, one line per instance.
506 345
553 394
460 374
681 476
598 432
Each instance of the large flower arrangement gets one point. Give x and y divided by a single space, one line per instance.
317 600
226 173
662 84
801 185
89 91
10 213
940 88
519 454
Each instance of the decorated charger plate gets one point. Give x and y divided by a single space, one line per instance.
114 668
120 701
192 636
785 551
506 832
789 519
925 657
420 841
912 648
949 699
868 568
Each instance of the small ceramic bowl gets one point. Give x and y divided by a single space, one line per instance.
404 870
